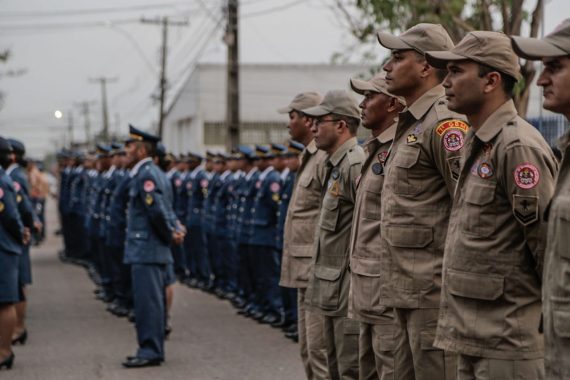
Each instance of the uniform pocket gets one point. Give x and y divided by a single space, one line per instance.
372 194
561 225
138 235
473 285
329 213
366 284
478 217
327 287
561 316
405 159
308 192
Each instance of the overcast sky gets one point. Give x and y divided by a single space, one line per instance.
58 45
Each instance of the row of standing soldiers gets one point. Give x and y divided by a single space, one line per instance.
233 207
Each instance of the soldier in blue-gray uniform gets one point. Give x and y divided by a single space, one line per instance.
30 220
116 235
181 208
246 191
65 168
13 237
263 256
289 295
151 228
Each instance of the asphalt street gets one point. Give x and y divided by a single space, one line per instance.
71 336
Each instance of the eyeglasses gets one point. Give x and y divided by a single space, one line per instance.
320 121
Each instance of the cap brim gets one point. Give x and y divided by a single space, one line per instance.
534 49
392 42
316 111
284 109
360 86
439 59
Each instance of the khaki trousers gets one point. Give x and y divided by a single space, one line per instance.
376 351
475 368
312 341
341 335
416 358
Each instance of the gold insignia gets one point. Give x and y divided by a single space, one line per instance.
334 189
451 124
18 198
412 138
149 200
275 197
1 206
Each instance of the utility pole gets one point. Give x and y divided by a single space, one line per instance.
70 128
84 106
165 23
231 39
103 81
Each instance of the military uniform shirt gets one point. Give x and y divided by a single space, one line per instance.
301 220
421 174
327 291
495 246
365 258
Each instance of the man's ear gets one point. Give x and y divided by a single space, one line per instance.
493 80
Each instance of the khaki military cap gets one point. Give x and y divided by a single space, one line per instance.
556 44
489 48
422 37
338 102
301 102
376 84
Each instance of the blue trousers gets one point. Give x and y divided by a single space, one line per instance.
197 254
149 283
264 261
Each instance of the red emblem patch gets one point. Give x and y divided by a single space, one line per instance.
1 193
382 157
526 176
17 186
189 185
204 183
148 186
178 182
258 184
453 140
274 187
485 170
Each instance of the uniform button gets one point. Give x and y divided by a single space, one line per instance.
252 210
138 235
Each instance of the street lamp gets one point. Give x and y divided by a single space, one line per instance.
58 114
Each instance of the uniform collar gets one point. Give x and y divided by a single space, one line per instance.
225 174
421 106
312 147
170 173
110 172
138 165
250 173
338 155
285 173
265 173
495 122
11 168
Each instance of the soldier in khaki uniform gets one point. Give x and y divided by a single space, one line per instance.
377 334
422 168
337 120
299 232
490 303
554 50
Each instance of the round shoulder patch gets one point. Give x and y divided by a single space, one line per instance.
451 124
189 186
274 187
204 183
17 186
258 184
453 140
178 182
148 186
1 193
526 176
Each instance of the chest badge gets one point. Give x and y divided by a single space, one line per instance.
411 138
335 173
485 170
453 140
377 168
334 189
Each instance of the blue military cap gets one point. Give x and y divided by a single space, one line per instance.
245 151
263 152
294 148
193 157
221 157
103 150
136 134
160 149
5 146
117 147
76 154
17 146
278 149
210 155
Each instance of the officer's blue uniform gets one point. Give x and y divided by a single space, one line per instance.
150 225
11 235
223 240
196 253
176 180
263 256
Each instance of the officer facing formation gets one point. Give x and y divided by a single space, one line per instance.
554 50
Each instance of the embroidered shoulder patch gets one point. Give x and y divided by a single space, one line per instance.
204 183
1 193
526 176
178 182
274 187
525 209
17 186
451 124
148 186
453 140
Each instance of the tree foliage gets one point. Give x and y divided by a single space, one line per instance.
366 17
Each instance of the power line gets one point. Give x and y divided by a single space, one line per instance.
274 9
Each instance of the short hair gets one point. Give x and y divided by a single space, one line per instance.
508 81
150 147
352 123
